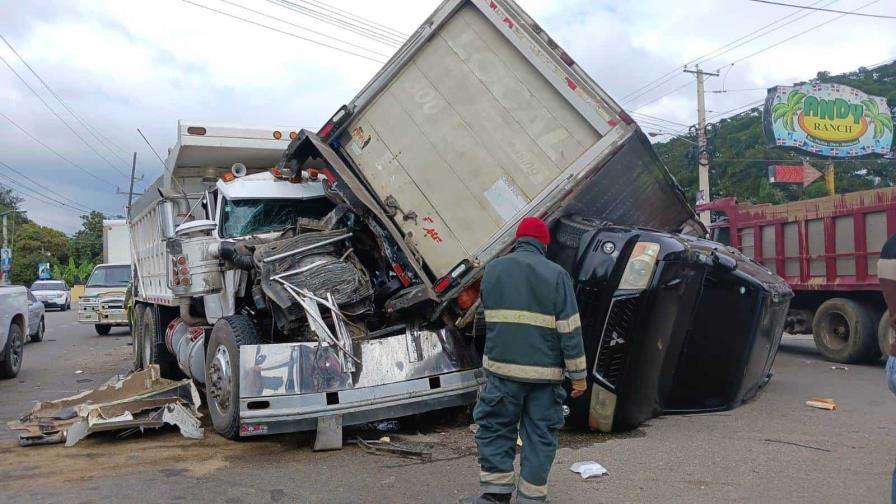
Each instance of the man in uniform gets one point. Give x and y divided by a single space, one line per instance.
533 334
886 274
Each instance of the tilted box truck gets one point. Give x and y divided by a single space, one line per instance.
335 282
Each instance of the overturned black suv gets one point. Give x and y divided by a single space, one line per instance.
671 323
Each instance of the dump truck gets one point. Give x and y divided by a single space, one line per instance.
827 250
310 280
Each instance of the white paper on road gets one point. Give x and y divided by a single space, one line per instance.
588 469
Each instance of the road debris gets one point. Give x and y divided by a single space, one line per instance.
791 443
840 368
822 403
139 400
385 447
588 469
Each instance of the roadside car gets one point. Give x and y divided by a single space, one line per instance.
36 318
13 328
53 294
103 301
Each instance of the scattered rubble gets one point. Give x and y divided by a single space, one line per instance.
140 400
588 469
822 403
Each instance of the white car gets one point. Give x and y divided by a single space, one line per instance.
53 294
13 328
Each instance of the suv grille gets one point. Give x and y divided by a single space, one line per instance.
610 361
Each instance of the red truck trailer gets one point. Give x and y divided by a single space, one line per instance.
827 250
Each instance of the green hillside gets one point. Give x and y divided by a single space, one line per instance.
740 157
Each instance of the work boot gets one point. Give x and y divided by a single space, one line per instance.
487 498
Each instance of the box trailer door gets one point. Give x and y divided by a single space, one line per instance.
471 130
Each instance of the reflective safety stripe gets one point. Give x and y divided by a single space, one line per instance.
521 317
533 491
522 371
505 478
569 325
577 364
886 269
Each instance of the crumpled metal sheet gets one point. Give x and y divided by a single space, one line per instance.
139 400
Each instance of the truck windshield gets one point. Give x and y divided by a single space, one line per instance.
110 276
255 216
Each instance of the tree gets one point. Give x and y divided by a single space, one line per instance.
87 243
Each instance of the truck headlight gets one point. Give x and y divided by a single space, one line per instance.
640 266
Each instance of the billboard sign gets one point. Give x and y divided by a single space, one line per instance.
5 260
803 174
829 120
43 271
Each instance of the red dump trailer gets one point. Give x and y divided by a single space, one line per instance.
827 250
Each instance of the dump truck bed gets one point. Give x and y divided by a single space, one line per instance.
479 120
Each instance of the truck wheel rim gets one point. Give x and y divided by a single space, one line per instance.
836 331
147 350
16 351
220 379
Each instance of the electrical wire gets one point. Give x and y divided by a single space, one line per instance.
376 35
658 98
67 125
802 33
322 44
807 7
356 46
675 72
51 191
359 19
54 151
31 193
661 119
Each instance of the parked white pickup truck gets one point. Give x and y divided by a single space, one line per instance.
13 328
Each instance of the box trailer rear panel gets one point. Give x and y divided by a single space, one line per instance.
479 120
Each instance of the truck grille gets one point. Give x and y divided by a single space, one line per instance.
610 361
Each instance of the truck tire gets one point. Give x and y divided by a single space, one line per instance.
570 229
102 329
883 333
845 331
136 340
222 377
12 352
153 348
38 335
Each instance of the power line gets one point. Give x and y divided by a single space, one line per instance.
51 191
346 51
359 19
60 156
35 195
47 105
377 35
674 73
661 119
717 91
357 46
660 97
802 33
807 7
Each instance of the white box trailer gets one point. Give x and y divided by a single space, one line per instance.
324 291
116 241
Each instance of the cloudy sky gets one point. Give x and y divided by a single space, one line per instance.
127 64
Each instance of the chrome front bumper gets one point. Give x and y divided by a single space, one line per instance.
289 387
97 314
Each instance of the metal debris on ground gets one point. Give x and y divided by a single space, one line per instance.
386 447
588 469
840 368
140 400
822 403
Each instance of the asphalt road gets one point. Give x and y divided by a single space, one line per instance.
774 449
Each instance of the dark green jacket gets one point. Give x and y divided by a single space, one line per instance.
533 330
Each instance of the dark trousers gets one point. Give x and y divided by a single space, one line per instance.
507 409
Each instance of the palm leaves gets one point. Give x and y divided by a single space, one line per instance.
786 110
882 121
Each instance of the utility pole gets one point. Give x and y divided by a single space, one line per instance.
130 191
702 155
829 178
5 246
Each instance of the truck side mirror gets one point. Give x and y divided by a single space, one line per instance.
724 262
167 220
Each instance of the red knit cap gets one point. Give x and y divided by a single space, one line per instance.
534 227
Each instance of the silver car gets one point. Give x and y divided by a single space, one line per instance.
36 321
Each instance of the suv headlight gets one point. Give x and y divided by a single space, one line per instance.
640 266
